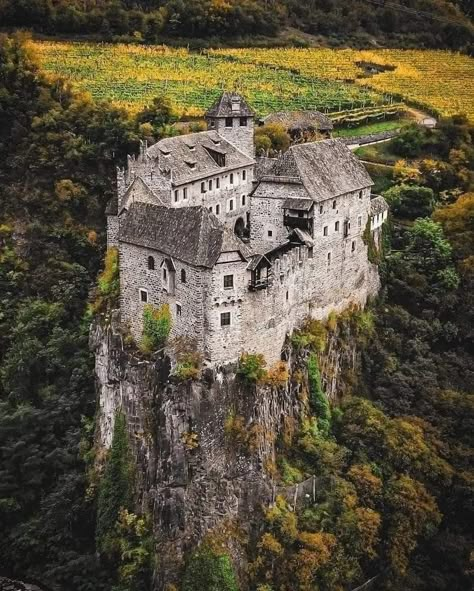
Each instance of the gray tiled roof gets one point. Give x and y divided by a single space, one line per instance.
378 205
190 234
179 153
326 168
223 106
301 120
298 204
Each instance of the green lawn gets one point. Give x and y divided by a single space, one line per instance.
370 128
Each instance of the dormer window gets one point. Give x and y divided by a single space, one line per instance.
216 141
165 153
191 164
229 122
191 147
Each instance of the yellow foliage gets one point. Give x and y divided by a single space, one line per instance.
277 375
270 544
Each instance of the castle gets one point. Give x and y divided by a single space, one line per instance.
242 250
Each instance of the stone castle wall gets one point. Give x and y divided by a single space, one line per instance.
189 295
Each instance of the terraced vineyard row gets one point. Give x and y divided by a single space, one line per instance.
132 75
440 81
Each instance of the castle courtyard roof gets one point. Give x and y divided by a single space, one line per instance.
223 106
300 120
190 234
197 155
327 169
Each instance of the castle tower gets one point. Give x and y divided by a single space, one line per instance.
233 119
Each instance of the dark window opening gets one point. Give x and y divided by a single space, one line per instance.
218 183
244 175
228 122
185 193
218 209
143 296
176 195
243 121
164 274
231 205
320 209
353 246
334 204
225 319
231 178
360 194
228 281
270 233
347 226
310 252
151 263
178 309
210 185
183 276
286 296
203 187
325 231
336 226
243 200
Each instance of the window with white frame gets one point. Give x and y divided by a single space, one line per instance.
228 281
143 294
231 205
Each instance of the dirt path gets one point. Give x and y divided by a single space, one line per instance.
417 114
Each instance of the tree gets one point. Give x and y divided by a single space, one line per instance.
410 201
115 486
209 569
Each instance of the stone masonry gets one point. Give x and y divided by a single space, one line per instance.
242 253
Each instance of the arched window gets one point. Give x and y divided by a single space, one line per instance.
151 263
183 276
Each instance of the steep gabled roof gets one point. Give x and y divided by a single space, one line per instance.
190 157
327 169
222 107
190 234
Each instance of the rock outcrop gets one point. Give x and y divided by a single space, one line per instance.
203 449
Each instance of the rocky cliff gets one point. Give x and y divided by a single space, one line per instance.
204 449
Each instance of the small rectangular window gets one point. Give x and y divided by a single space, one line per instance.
270 233
178 309
310 252
243 121
210 185
320 209
210 209
228 122
218 183
243 200
231 205
353 246
164 274
225 319
244 175
203 187
231 178
329 259
336 227
176 196
360 194
218 209
334 204
143 296
228 281
185 193
325 231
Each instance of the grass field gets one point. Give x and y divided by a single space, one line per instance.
272 79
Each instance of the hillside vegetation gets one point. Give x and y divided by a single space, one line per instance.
394 462
336 21
271 79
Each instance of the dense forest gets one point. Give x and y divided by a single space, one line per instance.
430 23
394 460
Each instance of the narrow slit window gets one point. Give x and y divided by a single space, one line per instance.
325 231
151 263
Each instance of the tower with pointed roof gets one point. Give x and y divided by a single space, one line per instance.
233 120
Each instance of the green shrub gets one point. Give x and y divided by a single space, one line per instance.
252 367
188 357
108 283
156 327
115 485
318 399
209 570
313 334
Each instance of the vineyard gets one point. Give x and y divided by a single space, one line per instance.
131 75
334 81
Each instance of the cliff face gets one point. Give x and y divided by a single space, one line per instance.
203 449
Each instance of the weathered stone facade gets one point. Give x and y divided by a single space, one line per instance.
302 222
